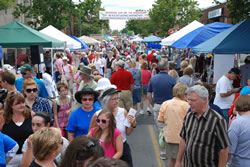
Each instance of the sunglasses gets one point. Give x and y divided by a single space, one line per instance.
31 90
87 99
23 73
104 121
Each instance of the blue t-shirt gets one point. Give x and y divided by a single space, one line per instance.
245 90
79 121
136 73
6 144
42 92
161 85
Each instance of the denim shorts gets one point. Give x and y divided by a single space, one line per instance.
144 89
137 96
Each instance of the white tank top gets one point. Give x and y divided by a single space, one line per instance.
120 119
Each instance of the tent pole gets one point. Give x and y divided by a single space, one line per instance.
52 60
210 69
16 60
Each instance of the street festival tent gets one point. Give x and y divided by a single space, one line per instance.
89 40
231 41
55 33
200 35
151 39
177 35
137 39
83 44
17 35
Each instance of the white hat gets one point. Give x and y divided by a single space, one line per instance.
104 83
65 58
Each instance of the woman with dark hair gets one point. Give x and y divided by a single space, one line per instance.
239 134
17 123
108 162
39 120
110 99
81 151
109 136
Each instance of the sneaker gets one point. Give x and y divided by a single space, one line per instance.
149 112
163 156
142 112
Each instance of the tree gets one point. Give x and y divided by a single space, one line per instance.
239 9
143 27
5 4
164 14
89 18
46 12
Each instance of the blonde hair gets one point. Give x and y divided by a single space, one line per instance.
192 62
184 64
188 71
45 141
173 73
179 90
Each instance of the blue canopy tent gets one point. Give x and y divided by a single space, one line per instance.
152 39
83 44
231 41
200 35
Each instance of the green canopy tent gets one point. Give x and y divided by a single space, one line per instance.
17 35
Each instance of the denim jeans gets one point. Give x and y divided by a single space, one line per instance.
225 114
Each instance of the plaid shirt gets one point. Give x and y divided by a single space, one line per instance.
42 105
204 138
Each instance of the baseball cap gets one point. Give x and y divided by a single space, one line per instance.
25 67
234 70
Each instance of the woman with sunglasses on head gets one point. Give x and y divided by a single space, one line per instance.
81 151
109 136
46 145
110 99
17 123
32 101
39 120
79 119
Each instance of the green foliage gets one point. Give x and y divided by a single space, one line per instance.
5 4
46 12
143 27
164 14
239 9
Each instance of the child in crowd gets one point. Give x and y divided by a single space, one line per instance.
153 69
62 107
109 136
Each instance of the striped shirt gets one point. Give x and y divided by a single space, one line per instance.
204 138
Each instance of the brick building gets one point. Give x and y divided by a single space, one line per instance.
216 13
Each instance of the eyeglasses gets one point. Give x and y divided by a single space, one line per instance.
23 73
104 121
87 99
192 100
31 90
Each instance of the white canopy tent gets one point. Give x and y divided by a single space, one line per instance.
55 33
177 35
89 40
137 39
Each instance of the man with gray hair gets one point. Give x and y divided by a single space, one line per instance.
204 139
124 82
160 89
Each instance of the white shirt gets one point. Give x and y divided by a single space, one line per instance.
67 72
224 85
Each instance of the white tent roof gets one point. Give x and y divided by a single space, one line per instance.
89 40
137 39
55 33
177 35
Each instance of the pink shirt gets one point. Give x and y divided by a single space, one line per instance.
58 65
110 148
146 75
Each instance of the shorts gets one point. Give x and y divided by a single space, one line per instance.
70 84
172 150
137 96
144 89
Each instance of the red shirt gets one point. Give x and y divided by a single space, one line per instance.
122 79
69 56
150 57
91 58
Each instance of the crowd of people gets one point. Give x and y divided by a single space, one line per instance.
78 110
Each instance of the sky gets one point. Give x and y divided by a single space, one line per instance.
129 5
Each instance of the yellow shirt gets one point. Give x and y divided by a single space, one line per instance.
172 113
